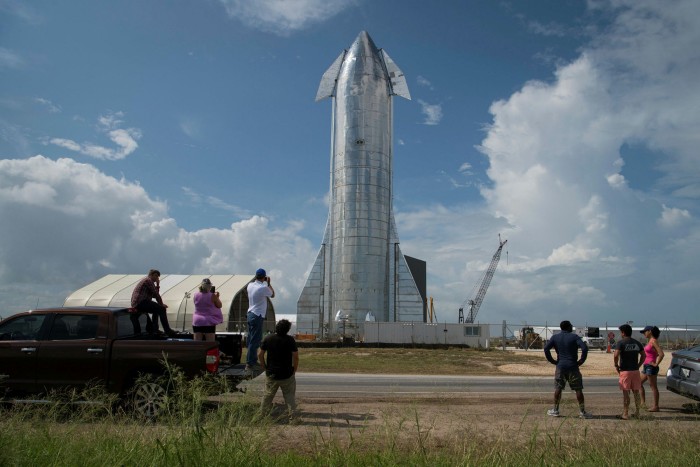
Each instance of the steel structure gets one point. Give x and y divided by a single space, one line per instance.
475 303
360 268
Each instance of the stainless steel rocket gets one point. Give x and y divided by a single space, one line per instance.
360 270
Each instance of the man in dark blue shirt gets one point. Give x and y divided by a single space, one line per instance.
566 344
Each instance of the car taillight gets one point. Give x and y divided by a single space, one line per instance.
212 360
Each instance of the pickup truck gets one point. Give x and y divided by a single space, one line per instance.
57 348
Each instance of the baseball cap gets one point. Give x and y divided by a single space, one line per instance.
260 273
648 328
206 281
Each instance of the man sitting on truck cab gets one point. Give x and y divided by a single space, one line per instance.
142 297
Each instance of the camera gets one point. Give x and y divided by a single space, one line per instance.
213 289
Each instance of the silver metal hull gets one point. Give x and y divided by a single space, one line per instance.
360 269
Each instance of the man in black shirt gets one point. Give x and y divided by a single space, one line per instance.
629 356
280 367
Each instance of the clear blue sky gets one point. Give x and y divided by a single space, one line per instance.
185 136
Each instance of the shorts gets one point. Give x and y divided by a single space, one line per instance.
571 376
650 370
204 329
630 380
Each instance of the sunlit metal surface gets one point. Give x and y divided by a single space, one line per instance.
360 267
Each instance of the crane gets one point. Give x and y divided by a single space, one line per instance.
476 302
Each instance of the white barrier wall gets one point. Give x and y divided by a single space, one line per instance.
473 335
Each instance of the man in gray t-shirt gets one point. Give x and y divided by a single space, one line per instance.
567 344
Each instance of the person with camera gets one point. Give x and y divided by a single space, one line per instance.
142 302
259 291
207 312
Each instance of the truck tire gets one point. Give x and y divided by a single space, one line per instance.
148 397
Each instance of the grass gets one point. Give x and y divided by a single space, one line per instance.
190 432
233 436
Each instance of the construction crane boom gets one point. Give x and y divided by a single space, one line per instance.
475 303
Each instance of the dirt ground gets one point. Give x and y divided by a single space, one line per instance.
597 364
448 422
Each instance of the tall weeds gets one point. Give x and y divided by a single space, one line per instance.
195 430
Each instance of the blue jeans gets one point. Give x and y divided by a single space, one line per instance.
255 326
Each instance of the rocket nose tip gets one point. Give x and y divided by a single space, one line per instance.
363 42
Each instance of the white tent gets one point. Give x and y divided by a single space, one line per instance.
177 291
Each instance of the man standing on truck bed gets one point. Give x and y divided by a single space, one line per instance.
258 292
566 344
142 297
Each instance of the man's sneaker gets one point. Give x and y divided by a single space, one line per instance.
584 414
553 412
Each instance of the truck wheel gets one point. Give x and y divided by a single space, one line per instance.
148 397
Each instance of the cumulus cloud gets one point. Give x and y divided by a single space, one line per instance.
124 138
72 224
432 112
555 162
284 17
672 217
584 244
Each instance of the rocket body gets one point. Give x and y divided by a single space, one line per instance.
360 270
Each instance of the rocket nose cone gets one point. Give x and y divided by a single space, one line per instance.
364 43
364 36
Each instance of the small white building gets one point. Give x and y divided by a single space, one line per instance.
473 335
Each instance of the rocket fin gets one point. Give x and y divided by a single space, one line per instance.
330 78
409 300
310 309
396 77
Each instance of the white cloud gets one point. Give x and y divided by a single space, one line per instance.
284 17
432 112
583 244
424 82
555 163
673 217
190 127
465 168
197 200
72 224
21 10
50 106
125 139
9 59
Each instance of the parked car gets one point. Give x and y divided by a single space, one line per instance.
683 376
59 348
